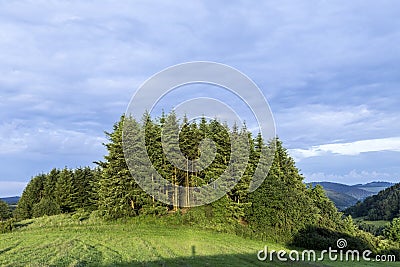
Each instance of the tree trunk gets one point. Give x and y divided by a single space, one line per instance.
187 183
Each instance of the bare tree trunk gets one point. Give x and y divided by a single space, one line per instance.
152 182
175 191
187 183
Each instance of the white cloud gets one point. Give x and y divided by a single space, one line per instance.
351 148
68 69
18 137
307 124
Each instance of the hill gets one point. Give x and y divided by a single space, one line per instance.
383 206
140 241
345 196
374 187
11 200
341 200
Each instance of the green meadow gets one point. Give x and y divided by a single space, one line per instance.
70 240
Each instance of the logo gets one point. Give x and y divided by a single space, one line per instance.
341 243
326 254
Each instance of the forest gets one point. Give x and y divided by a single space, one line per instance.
282 209
383 206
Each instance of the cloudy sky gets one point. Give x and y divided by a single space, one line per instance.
330 71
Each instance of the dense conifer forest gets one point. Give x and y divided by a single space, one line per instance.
383 206
282 209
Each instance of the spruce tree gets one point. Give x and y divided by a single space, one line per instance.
241 157
327 215
46 206
83 181
32 194
281 206
111 195
66 191
170 142
119 195
50 184
5 212
187 146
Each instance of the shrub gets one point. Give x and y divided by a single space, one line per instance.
46 206
392 232
7 226
81 215
313 237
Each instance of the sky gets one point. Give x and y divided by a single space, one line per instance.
330 71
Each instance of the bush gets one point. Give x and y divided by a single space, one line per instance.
392 251
47 207
196 216
371 228
153 210
96 216
81 215
7 226
319 238
392 232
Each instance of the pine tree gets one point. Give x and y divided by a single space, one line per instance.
5 212
392 231
92 192
111 195
83 180
155 153
139 160
170 141
50 184
66 191
32 194
327 216
119 195
281 206
242 171
46 206
187 146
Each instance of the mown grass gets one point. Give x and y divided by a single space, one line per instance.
377 223
66 240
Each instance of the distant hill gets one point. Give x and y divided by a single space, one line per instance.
11 200
374 187
341 200
345 196
383 206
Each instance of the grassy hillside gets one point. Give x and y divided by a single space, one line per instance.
349 190
341 200
66 240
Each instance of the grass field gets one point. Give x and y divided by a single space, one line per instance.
64 240
377 223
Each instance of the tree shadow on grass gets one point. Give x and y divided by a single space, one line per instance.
21 225
222 260
9 248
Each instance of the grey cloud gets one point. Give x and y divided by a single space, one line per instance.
75 65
